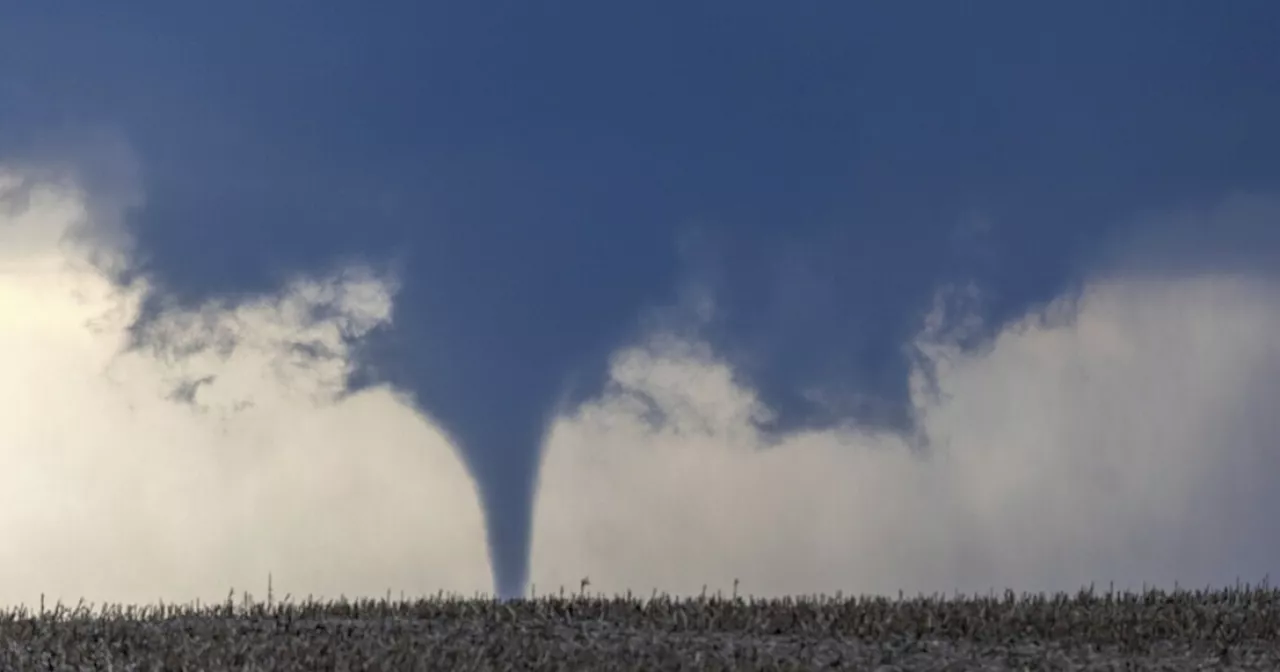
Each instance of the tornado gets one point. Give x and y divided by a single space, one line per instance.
503 459
495 408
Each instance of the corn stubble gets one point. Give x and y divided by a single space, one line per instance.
1235 628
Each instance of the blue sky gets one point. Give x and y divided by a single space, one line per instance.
545 181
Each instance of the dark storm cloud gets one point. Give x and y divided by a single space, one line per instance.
531 171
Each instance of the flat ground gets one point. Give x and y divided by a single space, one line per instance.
1182 630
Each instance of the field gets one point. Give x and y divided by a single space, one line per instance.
1236 628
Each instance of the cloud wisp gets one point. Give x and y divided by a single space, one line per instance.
223 449
1123 434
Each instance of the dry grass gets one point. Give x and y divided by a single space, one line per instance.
1236 628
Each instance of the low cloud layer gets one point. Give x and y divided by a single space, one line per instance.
1127 434
221 451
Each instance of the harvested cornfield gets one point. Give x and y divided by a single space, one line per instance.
1236 628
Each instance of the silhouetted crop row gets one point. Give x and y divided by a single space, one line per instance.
1236 628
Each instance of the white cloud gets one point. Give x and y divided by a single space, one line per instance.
109 490
1135 443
